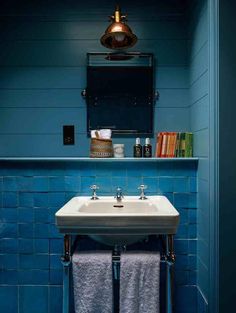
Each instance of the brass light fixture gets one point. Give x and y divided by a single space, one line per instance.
118 35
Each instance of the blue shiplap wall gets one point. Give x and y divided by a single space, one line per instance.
43 70
199 114
30 245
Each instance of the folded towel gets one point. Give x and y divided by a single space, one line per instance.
92 275
102 133
139 282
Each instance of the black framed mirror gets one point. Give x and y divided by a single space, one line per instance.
120 93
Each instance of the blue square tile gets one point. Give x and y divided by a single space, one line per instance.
104 184
10 199
133 169
51 213
26 230
26 245
193 279
87 170
41 245
41 184
193 200
26 199
9 261
57 183
181 246
72 183
33 299
192 231
25 183
149 169
103 169
55 299
9 299
9 277
166 184
56 246
9 245
9 230
56 277
33 277
192 262
181 184
186 299
41 231
119 182
192 246
134 183
193 184
57 199
55 261
118 170
192 216
41 199
41 215
152 184
86 182
183 215
181 277
53 232
181 200
10 184
165 169
9 215
25 215
181 262
182 232
34 261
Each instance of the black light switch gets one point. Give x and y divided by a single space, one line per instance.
68 134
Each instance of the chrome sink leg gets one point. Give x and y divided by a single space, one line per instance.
66 261
170 274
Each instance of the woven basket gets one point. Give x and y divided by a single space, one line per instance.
101 148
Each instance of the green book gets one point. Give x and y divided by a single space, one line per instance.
182 149
189 145
177 147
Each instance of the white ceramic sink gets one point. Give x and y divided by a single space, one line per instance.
125 220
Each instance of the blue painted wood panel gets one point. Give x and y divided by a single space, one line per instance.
43 59
199 115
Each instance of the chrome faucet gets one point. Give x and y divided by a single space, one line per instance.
142 195
94 189
119 194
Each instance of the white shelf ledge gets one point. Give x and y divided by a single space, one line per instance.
86 159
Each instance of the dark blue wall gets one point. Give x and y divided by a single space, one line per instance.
43 70
227 155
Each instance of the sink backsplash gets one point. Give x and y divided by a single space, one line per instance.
31 193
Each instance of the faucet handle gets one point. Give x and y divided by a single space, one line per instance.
94 195
142 187
94 187
142 195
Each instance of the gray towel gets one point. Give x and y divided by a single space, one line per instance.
92 275
139 282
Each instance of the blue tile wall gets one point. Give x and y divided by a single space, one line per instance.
30 245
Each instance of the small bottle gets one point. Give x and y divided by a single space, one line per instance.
137 149
147 149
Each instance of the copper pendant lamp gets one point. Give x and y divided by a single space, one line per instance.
118 35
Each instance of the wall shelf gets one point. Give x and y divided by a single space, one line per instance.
86 159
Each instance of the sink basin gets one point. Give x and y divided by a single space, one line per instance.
110 221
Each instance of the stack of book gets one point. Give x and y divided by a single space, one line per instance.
174 145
